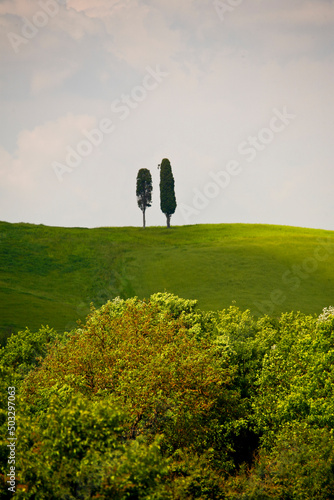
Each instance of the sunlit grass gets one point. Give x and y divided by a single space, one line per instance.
50 275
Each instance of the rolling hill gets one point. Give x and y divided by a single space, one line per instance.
50 275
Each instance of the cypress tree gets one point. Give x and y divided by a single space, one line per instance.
167 192
144 191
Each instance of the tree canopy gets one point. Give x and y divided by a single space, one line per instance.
144 191
167 191
156 399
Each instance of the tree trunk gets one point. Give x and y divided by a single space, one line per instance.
144 222
168 220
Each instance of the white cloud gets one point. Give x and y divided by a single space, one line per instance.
77 25
224 81
30 165
100 9
52 77
22 8
299 13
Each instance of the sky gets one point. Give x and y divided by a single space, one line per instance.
237 94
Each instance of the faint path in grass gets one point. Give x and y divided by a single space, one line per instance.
50 275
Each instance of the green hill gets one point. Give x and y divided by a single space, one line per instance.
50 275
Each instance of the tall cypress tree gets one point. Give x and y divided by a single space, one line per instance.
144 191
167 192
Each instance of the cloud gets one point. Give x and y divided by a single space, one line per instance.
29 27
30 165
100 9
283 29
30 190
224 80
21 8
52 77
300 13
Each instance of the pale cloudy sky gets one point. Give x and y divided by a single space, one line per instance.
238 94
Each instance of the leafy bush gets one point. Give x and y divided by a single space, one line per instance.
147 361
298 467
79 452
296 381
213 405
22 353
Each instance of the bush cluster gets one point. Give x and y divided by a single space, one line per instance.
158 400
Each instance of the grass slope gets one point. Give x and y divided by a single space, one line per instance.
49 275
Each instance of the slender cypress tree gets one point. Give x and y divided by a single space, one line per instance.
167 192
144 191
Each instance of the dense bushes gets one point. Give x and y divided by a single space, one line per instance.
158 400
79 451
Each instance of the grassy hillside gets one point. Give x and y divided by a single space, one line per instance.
49 275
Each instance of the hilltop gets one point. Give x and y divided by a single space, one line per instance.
50 275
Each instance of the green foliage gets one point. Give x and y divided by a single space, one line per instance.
23 351
79 452
168 380
192 476
285 373
144 190
167 191
296 381
213 405
198 323
298 467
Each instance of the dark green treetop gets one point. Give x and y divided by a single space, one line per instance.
144 191
167 192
